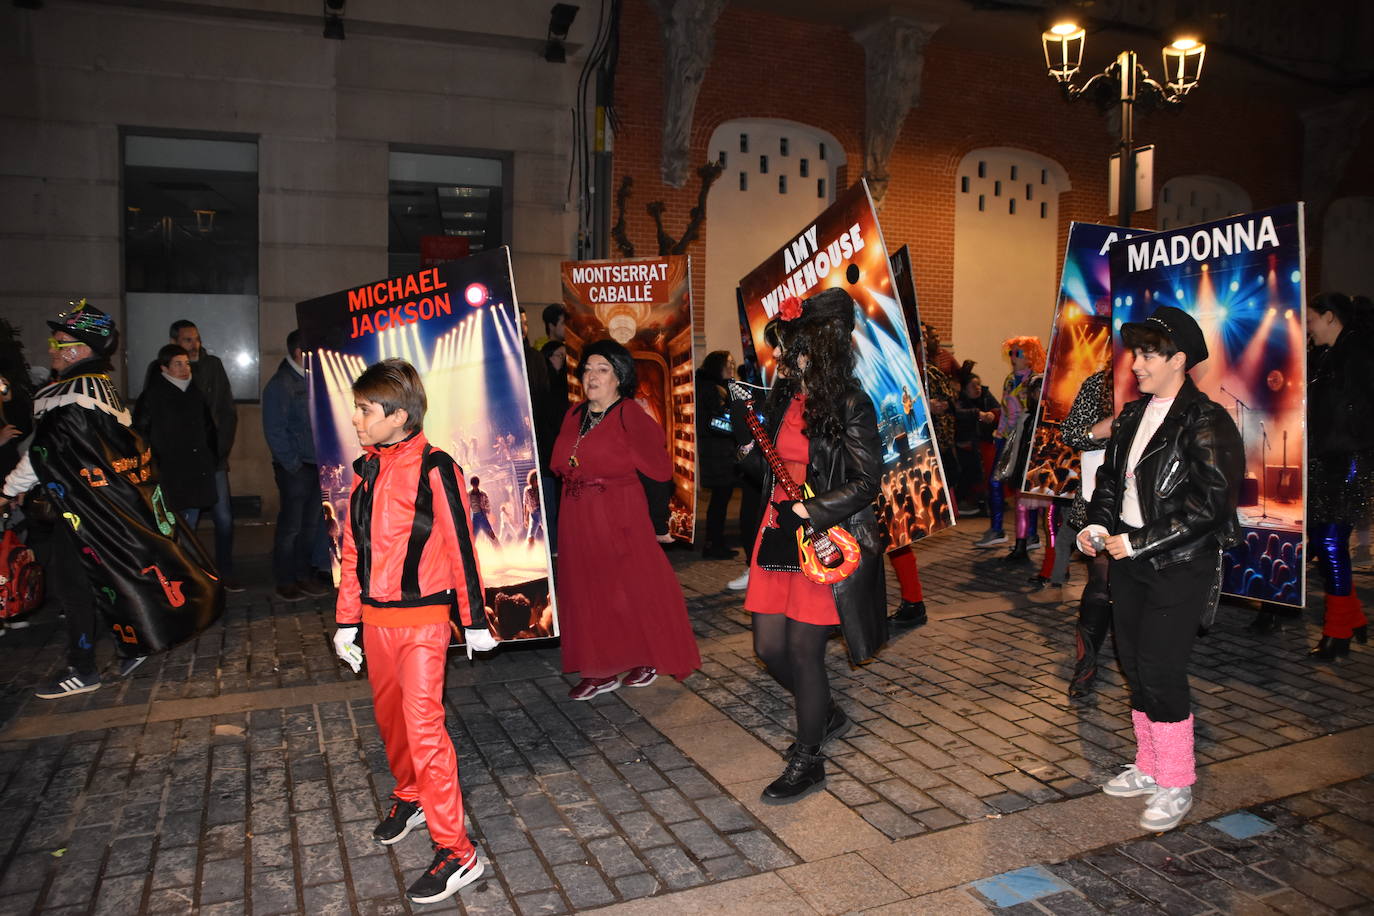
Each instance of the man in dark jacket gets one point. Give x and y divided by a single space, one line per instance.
290 436
1164 509
207 374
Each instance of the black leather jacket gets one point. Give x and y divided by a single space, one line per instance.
844 474
1188 480
1340 396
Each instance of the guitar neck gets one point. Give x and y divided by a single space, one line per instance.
770 452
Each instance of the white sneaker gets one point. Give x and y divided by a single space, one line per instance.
1167 807
739 584
1130 782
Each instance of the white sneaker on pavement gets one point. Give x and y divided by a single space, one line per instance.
739 584
1130 782
1167 807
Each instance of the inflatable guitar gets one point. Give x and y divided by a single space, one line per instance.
826 556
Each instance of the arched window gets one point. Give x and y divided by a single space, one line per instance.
778 175
1006 234
1190 199
1346 242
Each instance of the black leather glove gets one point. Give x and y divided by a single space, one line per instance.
788 520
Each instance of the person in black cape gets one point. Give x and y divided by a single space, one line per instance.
121 561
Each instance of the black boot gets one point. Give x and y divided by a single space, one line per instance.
805 770
911 613
1330 648
1018 553
1361 634
1264 622
836 725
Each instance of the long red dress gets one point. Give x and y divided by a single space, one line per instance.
791 593
619 602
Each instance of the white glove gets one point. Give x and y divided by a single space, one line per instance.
347 648
478 639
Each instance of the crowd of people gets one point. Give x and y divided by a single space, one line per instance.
1153 515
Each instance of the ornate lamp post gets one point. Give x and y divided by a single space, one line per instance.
1124 82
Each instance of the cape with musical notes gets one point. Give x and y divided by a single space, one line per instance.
154 584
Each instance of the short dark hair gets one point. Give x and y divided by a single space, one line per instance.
293 341
1148 340
621 362
554 314
394 384
474 480
178 326
169 353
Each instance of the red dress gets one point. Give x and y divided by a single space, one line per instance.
791 593
619 602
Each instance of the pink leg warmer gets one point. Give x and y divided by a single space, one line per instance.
1144 743
1174 751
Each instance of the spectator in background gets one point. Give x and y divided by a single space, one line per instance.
975 418
555 325
715 448
290 436
937 355
207 373
173 417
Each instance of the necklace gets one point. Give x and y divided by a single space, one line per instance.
590 420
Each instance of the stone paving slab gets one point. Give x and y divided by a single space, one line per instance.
242 773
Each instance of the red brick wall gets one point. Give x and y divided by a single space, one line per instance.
770 67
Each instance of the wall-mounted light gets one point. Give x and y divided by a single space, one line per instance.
560 21
1183 59
333 19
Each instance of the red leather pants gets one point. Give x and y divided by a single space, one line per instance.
405 666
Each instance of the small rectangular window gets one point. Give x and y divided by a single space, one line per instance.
820 188
963 184
982 203
782 184
1013 173
982 170
744 181
805 168
1029 192
1044 210
822 154
721 159
1011 205
1044 176
1165 194
782 146
997 189
763 165
744 143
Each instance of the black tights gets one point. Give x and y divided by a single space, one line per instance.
794 654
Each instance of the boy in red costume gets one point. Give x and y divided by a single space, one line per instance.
408 558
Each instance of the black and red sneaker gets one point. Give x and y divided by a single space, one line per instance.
400 818
449 872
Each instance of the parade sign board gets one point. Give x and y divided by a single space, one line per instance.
645 304
458 323
844 247
1080 344
1242 278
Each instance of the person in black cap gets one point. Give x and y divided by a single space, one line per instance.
121 560
826 434
1164 509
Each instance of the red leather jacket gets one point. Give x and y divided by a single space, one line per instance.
408 545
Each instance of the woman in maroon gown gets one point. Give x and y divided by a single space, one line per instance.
621 613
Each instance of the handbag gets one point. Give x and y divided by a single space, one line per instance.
1005 467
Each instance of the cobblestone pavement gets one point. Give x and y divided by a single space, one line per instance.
242 773
1309 853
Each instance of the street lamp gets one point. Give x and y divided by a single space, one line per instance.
1124 82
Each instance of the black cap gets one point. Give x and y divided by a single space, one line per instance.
834 302
88 324
1179 327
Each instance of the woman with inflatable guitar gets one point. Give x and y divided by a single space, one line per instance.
817 560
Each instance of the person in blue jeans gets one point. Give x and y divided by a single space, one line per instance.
288 430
